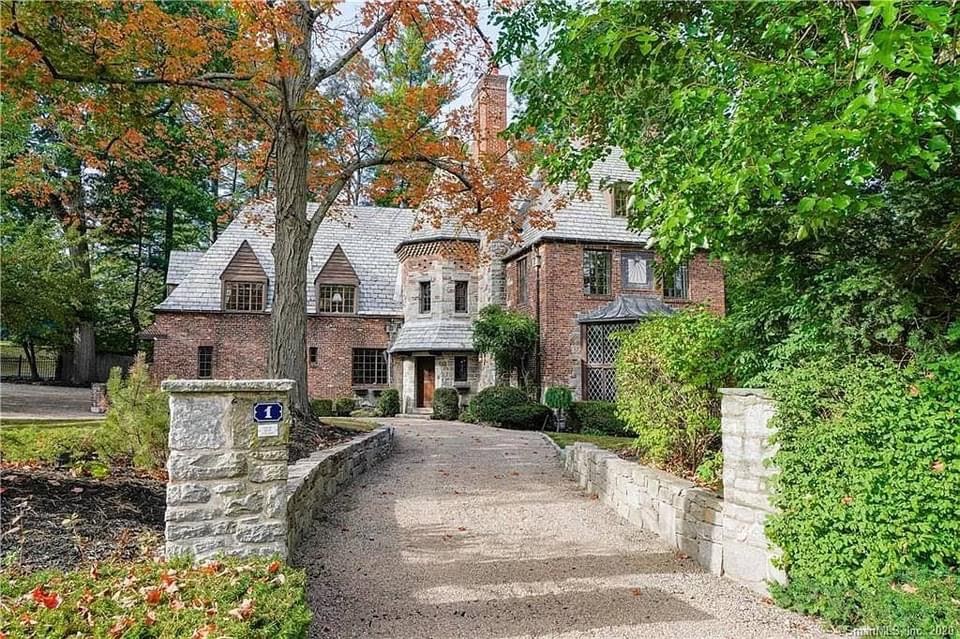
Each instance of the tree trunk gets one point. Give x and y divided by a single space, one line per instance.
168 220
31 352
84 353
291 250
135 297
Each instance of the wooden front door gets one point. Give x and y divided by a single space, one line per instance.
425 381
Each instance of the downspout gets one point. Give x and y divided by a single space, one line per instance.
536 265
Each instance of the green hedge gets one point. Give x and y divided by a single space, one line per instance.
597 418
243 599
668 369
869 461
389 403
321 407
446 403
343 406
508 407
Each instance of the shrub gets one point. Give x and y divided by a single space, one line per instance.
508 407
446 403
389 403
343 406
558 397
869 520
467 415
246 599
668 369
321 407
528 416
137 420
493 402
597 418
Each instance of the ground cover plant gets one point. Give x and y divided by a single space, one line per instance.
48 441
626 446
242 599
869 523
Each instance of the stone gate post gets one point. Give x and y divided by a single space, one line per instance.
226 491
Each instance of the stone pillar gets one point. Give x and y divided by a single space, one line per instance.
227 473
746 487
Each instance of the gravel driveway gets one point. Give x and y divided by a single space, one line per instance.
37 401
468 531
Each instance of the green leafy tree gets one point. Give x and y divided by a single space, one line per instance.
42 288
510 338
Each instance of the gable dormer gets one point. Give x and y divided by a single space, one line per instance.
337 284
244 282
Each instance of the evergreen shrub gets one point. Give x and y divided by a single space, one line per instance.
389 403
446 403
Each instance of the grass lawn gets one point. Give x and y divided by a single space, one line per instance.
31 440
616 444
351 423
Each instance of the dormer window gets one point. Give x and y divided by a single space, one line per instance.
620 198
243 296
337 285
244 283
336 298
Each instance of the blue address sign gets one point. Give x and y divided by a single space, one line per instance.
267 412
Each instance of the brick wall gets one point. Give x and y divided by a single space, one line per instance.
239 342
562 298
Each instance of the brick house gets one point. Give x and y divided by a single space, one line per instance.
392 305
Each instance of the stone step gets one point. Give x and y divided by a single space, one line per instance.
424 414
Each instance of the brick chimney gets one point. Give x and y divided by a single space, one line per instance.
490 106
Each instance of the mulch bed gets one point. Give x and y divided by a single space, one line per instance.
309 435
52 519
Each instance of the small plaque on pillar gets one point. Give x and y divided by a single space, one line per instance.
268 429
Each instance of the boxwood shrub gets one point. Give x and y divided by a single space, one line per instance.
389 403
321 407
245 599
446 403
597 418
869 523
508 407
343 406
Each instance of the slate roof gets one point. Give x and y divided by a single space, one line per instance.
181 263
448 229
367 235
625 308
588 219
433 336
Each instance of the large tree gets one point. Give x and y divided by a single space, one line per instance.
262 68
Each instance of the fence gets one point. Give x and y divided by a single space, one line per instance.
18 366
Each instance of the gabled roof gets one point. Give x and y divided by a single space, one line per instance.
626 308
367 236
337 269
181 263
588 219
244 265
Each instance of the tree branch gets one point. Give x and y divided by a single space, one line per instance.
325 72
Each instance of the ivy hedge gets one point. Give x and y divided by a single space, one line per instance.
869 492
242 599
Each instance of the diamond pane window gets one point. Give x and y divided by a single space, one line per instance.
600 351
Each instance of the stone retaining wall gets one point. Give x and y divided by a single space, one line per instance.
230 489
315 479
724 534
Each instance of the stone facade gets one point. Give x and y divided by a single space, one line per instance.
724 534
230 489
559 276
315 479
227 484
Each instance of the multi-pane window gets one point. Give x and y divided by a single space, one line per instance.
312 355
677 284
596 272
460 369
621 198
637 270
460 288
522 281
243 296
336 298
424 297
369 366
204 362
600 352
